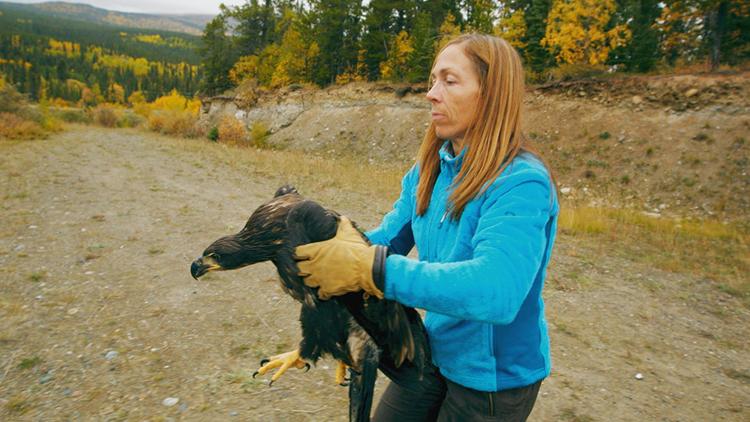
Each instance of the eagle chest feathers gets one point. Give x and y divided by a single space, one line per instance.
359 331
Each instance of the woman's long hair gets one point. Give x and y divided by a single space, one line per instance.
493 137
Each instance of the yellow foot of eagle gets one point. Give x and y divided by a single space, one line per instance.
341 374
283 361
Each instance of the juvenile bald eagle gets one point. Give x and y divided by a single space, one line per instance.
358 330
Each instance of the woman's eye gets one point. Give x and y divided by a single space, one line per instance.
450 82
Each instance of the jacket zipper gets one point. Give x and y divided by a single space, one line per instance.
491 403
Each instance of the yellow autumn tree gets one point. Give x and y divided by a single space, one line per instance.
246 67
116 93
577 31
290 67
512 27
448 30
395 66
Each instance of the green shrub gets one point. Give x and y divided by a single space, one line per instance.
258 134
213 133
73 115
130 119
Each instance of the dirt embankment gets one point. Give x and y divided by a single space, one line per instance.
100 320
675 145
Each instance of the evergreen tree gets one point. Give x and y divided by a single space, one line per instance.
537 57
642 52
379 26
218 56
256 24
420 60
336 26
480 15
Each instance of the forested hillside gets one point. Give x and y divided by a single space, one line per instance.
81 62
190 24
278 42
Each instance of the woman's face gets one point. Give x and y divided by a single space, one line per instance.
454 94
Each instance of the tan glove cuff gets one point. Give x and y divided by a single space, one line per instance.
367 282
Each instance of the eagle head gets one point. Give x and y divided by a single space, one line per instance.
262 238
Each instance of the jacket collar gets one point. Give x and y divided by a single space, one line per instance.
447 160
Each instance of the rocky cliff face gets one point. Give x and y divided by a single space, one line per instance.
661 144
376 122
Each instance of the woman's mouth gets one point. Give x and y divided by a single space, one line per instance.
437 116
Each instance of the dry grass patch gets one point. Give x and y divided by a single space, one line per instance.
716 250
13 126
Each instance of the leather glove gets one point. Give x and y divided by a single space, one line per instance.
343 264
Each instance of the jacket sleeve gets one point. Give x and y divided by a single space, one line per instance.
395 229
509 246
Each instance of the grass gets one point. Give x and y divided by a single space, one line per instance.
37 276
28 363
569 414
18 404
712 249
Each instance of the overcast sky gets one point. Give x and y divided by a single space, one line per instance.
210 7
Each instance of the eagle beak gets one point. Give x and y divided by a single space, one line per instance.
203 265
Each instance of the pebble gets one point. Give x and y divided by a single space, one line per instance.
639 376
170 401
233 413
46 377
565 190
111 355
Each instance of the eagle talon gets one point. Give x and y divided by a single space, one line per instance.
281 363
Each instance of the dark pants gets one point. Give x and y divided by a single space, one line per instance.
436 399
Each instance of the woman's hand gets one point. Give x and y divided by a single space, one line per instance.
342 264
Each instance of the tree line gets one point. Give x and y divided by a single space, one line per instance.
278 42
87 64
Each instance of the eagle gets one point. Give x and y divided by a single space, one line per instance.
363 333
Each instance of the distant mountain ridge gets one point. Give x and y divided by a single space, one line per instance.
190 23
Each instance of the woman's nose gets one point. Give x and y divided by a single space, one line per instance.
433 94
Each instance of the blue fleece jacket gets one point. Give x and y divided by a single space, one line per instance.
479 278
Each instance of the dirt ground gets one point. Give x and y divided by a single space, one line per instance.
100 319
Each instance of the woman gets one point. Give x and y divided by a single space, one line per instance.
482 212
